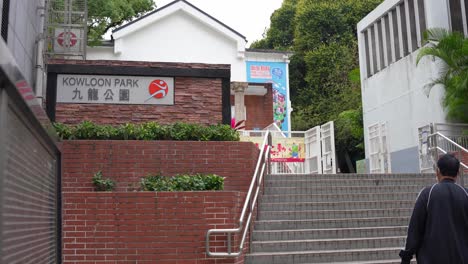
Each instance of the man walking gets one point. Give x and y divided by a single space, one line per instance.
438 229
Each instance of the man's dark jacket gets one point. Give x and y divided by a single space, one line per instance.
438 229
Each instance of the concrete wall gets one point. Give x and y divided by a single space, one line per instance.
395 94
25 25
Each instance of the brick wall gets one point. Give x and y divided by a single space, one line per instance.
127 161
150 227
147 227
259 110
196 100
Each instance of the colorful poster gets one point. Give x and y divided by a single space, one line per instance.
288 150
283 149
274 73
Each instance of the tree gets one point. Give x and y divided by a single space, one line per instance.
107 14
451 48
322 35
280 35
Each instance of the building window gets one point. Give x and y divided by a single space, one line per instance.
394 35
401 10
456 17
368 58
465 3
374 49
422 19
5 17
387 41
381 45
412 36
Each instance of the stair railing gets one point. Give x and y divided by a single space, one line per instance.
439 142
249 204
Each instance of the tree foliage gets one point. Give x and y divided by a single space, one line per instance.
107 14
451 48
324 79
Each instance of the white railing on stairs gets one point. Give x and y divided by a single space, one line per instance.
439 143
249 206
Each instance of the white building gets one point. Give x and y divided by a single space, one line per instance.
22 24
395 103
181 32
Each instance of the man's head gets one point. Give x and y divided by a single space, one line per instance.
447 166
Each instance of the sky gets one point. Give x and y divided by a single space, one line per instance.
248 17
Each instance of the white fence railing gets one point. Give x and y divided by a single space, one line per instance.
287 150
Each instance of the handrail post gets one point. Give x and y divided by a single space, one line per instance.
268 161
249 202
461 169
436 150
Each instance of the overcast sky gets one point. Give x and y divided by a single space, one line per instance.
248 17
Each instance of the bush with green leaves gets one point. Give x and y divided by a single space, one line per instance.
183 182
101 184
147 131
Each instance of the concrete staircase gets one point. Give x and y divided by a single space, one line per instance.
341 218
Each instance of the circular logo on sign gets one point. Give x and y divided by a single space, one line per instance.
158 89
67 39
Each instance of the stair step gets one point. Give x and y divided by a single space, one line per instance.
327 244
347 176
337 218
305 206
391 261
348 182
330 223
372 196
323 256
301 234
342 189
333 214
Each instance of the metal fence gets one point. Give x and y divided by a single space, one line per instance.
66 28
429 143
30 218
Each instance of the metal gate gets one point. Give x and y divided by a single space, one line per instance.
313 160
328 148
379 155
425 158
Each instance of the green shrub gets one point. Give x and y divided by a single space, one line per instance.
147 131
185 182
101 184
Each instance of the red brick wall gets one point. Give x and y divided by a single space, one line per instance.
259 110
146 227
196 100
127 161
150 227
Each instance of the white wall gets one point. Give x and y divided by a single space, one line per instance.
396 94
25 25
177 38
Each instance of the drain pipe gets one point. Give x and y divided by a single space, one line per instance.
39 67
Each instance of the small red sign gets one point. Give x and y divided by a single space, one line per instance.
67 39
158 89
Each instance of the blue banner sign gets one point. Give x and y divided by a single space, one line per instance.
274 73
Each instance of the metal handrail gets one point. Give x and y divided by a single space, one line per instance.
453 143
256 181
